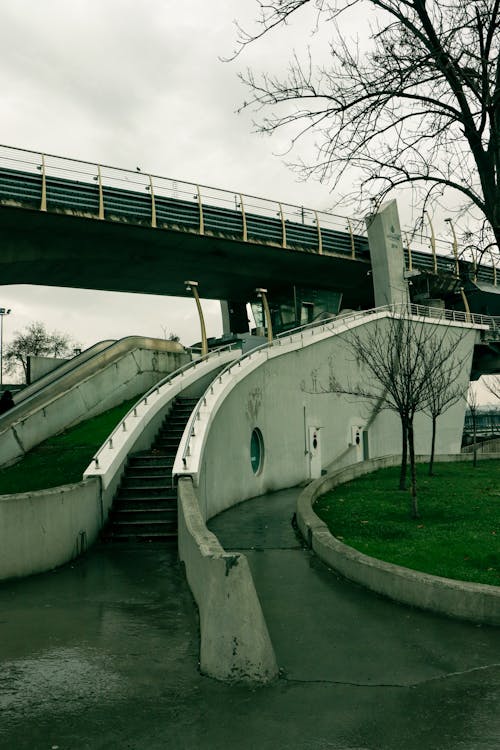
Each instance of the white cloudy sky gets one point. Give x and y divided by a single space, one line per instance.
128 83
132 83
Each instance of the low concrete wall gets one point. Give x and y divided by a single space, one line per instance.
40 530
106 385
40 366
235 644
469 601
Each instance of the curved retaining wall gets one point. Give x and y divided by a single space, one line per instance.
120 372
44 529
235 643
469 601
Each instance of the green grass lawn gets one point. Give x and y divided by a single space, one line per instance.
457 535
63 458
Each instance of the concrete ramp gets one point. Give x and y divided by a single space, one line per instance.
96 380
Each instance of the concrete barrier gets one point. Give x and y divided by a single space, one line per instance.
95 387
234 640
44 529
468 601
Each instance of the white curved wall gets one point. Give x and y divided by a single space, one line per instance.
276 397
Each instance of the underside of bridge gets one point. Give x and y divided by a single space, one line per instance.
69 251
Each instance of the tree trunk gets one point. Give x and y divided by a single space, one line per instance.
413 473
404 455
433 446
474 438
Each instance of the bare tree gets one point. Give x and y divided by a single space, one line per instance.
494 386
170 336
473 405
444 388
33 341
399 358
419 106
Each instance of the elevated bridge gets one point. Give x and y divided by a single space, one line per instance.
75 224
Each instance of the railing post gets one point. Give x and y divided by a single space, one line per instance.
43 202
153 203
244 219
408 245
101 193
353 249
283 226
320 238
200 209
493 263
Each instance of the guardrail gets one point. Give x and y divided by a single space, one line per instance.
132 413
52 183
456 316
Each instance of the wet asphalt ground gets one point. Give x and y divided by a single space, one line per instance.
103 653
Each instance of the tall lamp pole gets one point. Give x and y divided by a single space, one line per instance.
192 286
3 312
262 294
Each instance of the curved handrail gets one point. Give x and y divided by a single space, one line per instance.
456 316
63 368
43 395
318 224
132 412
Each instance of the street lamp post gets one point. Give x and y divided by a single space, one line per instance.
192 286
455 247
3 312
262 294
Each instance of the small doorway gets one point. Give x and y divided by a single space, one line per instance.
314 447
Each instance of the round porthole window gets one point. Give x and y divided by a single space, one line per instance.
256 451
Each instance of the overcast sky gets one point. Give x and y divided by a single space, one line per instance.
131 83
127 83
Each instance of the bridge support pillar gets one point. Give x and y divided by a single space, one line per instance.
387 255
234 317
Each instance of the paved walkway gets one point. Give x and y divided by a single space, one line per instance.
102 654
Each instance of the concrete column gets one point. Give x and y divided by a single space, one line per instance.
386 251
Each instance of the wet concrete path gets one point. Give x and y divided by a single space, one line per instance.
103 654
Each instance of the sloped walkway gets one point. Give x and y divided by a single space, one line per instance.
328 631
102 655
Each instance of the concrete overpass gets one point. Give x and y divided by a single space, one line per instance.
70 223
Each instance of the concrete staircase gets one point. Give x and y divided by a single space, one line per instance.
145 506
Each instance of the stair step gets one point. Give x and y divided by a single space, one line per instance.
145 506
144 502
147 479
163 515
152 472
123 538
152 461
145 527
140 495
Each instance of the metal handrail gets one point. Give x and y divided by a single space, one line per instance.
413 309
132 412
241 204
271 204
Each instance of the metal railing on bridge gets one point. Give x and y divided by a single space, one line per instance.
56 184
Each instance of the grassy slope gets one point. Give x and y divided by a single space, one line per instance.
457 536
63 458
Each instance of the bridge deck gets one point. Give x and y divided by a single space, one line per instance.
93 227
